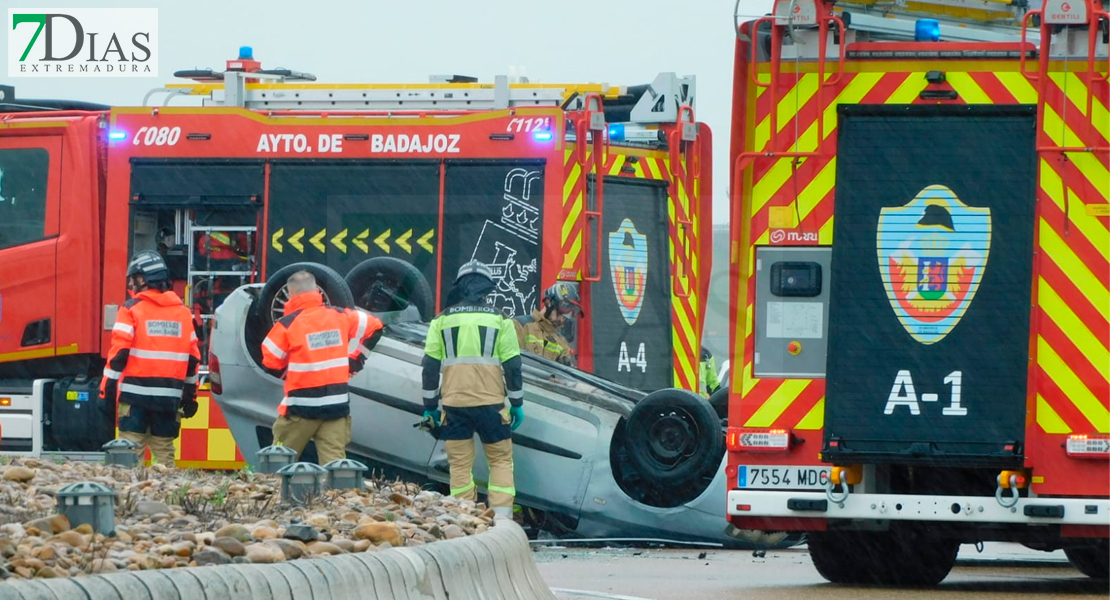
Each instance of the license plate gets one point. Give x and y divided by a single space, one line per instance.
780 477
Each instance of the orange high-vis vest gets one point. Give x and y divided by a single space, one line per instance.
154 354
314 344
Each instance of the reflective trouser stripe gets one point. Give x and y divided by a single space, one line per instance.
504 490
464 489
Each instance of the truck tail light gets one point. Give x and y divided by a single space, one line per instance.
216 383
5 401
758 440
1088 445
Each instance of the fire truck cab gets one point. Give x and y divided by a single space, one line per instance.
919 282
383 190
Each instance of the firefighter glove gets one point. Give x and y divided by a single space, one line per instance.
517 414
357 363
109 392
189 408
433 415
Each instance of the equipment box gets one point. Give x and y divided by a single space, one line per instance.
75 419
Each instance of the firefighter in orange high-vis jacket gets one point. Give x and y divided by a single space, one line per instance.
152 365
318 348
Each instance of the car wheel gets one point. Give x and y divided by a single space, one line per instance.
674 437
386 284
271 302
719 402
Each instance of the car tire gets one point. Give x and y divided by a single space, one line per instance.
674 437
271 301
386 284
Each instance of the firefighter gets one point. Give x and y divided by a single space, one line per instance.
317 348
709 382
224 251
152 364
475 346
539 334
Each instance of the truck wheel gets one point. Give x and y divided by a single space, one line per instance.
271 302
674 437
1093 561
881 558
385 284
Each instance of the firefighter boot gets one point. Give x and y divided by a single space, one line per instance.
162 449
502 490
460 455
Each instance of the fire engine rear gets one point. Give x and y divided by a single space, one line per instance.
920 252
383 190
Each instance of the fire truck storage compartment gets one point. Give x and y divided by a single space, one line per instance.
792 311
493 212
932 263
75 419
181 183
630 307
342 213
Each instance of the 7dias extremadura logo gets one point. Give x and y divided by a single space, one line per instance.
83 42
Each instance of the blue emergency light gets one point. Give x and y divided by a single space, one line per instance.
927 30
116 136
616 132
246 53
543 136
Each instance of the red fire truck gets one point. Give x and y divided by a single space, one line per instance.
603 185
919 282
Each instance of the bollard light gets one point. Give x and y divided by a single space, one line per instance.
272 458
88 502
345 473
124 453
300 481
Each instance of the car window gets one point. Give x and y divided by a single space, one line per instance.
23 173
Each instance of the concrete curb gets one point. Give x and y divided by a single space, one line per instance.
494 564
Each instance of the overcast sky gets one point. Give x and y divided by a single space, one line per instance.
620 42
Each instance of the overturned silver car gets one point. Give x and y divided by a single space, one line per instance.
592 459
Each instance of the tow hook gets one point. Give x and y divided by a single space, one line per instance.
1011 480
842 476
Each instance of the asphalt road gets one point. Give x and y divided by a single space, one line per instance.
1002 571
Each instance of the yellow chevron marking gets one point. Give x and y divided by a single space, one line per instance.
359 241
1019 86
572 217
575 250
794 100
968 89
786 393
683 360
295 241
1073 387
825 236
1060 133
402 241
852 93
1058 250
1077 331
318 240
275 240
338 241
909 90
424 241
572 179
381 240
814 419
1047 418
1090 227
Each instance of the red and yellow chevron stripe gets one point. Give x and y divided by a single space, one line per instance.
686 316
1070 346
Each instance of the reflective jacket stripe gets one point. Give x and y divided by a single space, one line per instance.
142 390
360 333
159 355
123 328
272 347
319 366
313 402
110 374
